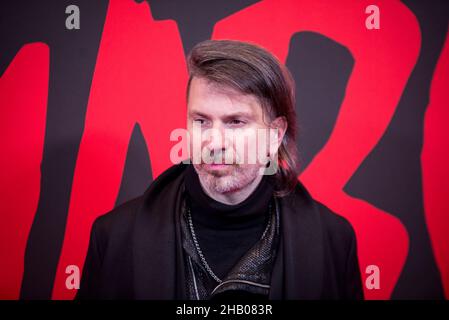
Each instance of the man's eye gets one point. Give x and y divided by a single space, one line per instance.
200 121
236 122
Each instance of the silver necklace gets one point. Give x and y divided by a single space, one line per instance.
198 249
200 252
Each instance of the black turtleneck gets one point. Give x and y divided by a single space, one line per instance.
226 232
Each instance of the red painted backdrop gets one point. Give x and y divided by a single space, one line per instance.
144 82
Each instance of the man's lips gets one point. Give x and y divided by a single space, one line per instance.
214 166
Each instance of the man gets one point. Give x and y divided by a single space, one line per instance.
223 226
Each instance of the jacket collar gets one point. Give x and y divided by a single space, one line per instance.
157 247
157 256
298 269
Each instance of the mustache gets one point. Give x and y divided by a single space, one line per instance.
219 157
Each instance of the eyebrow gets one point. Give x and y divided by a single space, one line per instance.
226 117
198 113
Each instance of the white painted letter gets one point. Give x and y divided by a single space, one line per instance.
373 280
73 280
73 20
179 151
373 20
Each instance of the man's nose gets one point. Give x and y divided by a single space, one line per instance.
216 138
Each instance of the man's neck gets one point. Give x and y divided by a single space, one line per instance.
234 197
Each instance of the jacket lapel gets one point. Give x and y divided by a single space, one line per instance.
157 256
298 269
157 248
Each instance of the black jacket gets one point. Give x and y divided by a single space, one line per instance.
135 251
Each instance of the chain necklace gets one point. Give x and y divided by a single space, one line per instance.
200 252
198 249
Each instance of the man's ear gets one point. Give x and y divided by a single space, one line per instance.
280 123
278 128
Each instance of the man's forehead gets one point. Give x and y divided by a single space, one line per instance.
206 97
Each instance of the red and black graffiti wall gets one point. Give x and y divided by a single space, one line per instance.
86 115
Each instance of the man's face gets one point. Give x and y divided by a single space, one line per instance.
224 123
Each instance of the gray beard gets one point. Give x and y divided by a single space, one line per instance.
238 179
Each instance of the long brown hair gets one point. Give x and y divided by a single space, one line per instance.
250 69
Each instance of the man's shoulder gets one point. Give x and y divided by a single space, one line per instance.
335 224
122 215
336 232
